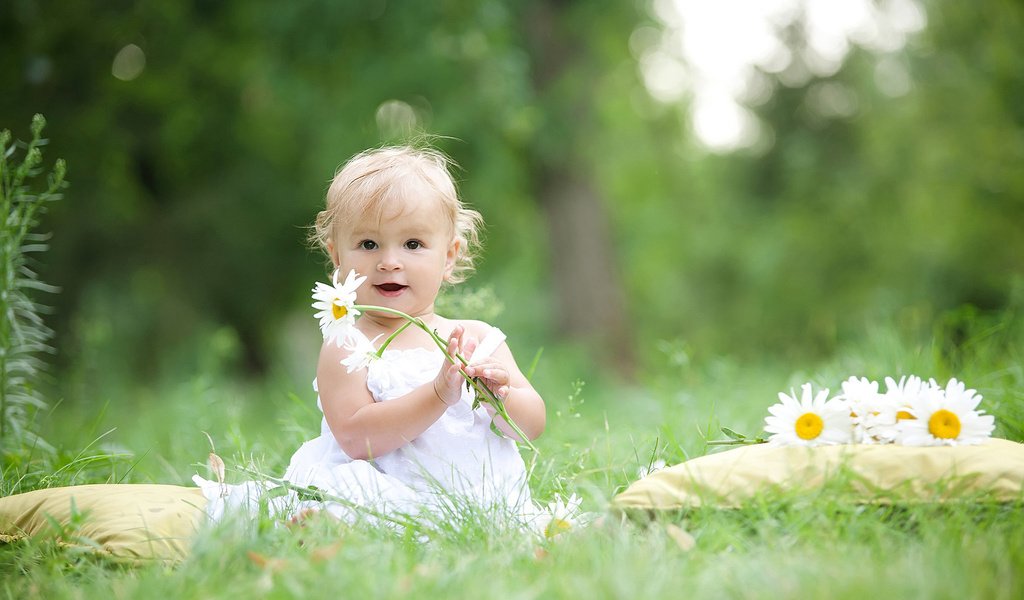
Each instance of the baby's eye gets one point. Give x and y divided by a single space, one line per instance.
368 245
414 244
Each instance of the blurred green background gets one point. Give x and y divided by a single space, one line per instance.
661 180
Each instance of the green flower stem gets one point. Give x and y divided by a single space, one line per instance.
482 390
390 338
748 442
318 495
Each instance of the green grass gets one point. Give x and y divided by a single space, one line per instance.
597 438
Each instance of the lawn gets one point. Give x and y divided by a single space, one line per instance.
599 435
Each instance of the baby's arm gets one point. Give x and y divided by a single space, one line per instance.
364 428
502 376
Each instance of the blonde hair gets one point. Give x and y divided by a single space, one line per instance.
379 179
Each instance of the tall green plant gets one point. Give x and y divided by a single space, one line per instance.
23 334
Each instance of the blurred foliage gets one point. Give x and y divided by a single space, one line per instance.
202 135
24 336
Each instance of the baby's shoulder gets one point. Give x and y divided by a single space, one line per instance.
473 328
332 353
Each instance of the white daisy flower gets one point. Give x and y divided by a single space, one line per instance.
810 421
562 516
861 397
946 417
878 425
874 415
336 305
900 395
646 470
894 406
363 352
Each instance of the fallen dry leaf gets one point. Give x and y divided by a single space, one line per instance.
266 563
325 552
681 537
217 465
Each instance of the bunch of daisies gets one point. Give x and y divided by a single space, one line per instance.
911 412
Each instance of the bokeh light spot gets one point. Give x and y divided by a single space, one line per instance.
129 63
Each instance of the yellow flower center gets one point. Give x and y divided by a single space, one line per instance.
338 311
904 415
944 424
557 526
809 426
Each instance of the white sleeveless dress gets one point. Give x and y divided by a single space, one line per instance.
457 460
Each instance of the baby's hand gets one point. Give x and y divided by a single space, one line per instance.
492 373
448 383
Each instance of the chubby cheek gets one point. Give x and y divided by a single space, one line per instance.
364 294
346 262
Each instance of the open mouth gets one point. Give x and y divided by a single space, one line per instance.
390 289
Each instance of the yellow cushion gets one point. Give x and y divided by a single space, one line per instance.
880 474
137 522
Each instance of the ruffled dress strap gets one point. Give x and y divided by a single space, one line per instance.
491 342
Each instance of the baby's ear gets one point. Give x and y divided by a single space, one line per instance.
451 258
335 259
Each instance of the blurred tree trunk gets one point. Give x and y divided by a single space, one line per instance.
588 290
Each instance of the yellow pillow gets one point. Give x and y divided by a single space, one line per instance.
136 522
861 473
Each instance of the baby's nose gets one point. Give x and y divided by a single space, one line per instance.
389 263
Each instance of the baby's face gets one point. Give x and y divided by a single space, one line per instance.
406 255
